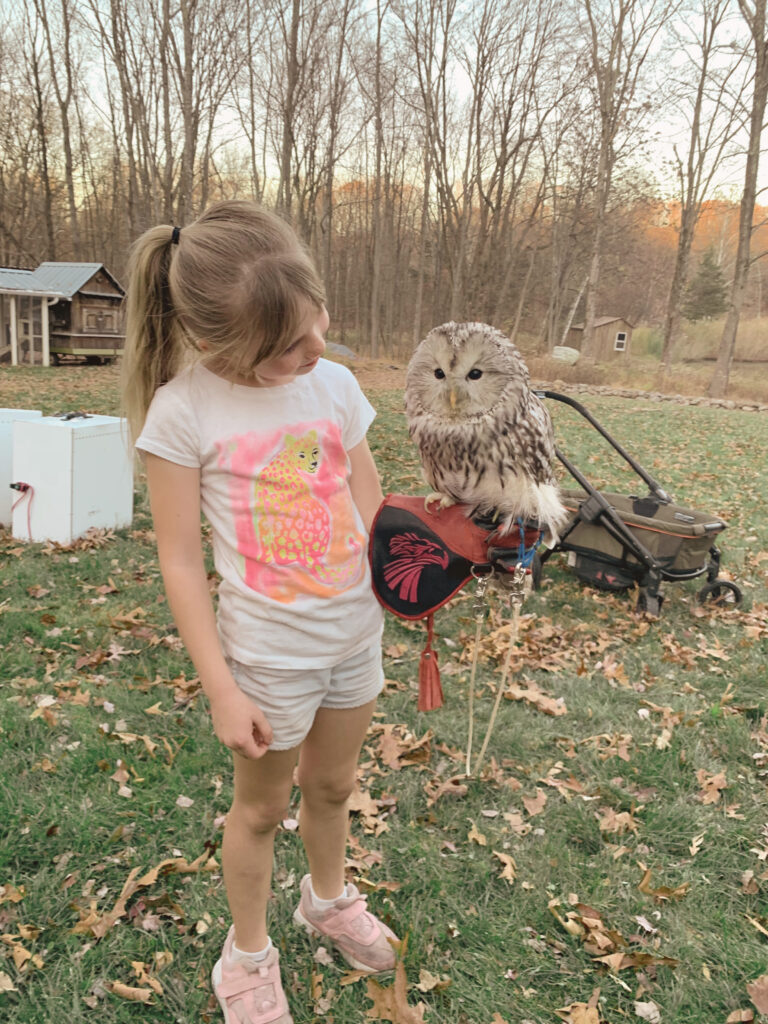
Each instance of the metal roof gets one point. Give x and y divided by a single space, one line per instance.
67 278
55 279
15 280
601 321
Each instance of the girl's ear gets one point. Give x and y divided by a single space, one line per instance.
203 346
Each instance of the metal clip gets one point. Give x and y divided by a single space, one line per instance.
479 605
516 584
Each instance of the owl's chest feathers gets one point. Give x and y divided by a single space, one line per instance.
461 458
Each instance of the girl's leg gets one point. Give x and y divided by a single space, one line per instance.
327 774
262 796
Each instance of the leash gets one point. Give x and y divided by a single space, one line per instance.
515 585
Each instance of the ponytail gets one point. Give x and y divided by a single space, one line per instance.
154 338
236 282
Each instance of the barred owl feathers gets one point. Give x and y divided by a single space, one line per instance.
485 438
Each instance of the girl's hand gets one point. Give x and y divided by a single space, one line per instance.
240 724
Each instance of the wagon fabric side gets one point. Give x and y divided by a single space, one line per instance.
679 538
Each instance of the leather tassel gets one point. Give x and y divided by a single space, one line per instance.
430 690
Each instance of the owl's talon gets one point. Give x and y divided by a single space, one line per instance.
443 500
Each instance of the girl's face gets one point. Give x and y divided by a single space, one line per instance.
301 356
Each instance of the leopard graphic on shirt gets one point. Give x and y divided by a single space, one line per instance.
302 525
294 525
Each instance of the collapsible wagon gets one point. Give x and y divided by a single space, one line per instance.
616 542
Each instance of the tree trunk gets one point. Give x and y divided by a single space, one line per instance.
285 200
756 18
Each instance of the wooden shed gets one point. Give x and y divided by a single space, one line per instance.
612 337
60 309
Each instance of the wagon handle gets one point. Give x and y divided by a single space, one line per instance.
653 485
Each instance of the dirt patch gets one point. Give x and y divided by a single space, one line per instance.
378 374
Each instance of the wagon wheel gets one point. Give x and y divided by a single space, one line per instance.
720 593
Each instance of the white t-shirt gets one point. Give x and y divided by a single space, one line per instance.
288 541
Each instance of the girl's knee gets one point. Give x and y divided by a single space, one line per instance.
334 790
258 818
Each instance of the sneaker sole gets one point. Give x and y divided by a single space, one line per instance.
358 965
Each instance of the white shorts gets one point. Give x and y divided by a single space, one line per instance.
290 697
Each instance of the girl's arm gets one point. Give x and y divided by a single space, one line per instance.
364 482
175 499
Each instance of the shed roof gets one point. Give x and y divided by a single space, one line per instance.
54 279
69 278
15 279
601 321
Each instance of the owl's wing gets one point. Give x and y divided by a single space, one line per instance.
530 440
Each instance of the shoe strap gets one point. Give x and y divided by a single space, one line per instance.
245 981
341 919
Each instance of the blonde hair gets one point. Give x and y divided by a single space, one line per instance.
237 280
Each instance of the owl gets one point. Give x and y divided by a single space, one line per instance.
485 439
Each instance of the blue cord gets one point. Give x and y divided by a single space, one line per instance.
524 554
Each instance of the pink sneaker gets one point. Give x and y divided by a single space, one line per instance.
250 993
361 938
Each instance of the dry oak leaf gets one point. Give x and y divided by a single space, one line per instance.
475 836
429 982
536 698
134 995
391 1003
648 1011
509 871
535 804
618 823
662 893
758 993
712 786
455 786
6 985
11 894
582 1013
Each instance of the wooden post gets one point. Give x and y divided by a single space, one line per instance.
44 327
14 334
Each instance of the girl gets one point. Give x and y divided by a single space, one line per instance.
268 439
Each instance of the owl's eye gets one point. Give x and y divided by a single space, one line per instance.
474 374
440 374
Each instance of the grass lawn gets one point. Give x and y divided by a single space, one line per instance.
611 864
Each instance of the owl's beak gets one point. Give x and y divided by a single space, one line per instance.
452 398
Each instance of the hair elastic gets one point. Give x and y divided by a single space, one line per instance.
175 236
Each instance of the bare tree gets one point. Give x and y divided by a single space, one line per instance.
620 37
709 94
754 14
57 27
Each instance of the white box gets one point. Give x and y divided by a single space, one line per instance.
7 496
81 474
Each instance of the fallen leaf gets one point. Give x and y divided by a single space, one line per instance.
663 892
476 837
455 786
740 1017
648 1011
429 982
535 804
748 883
758 993
509 871
712 786
391 1003
617 823
134 995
